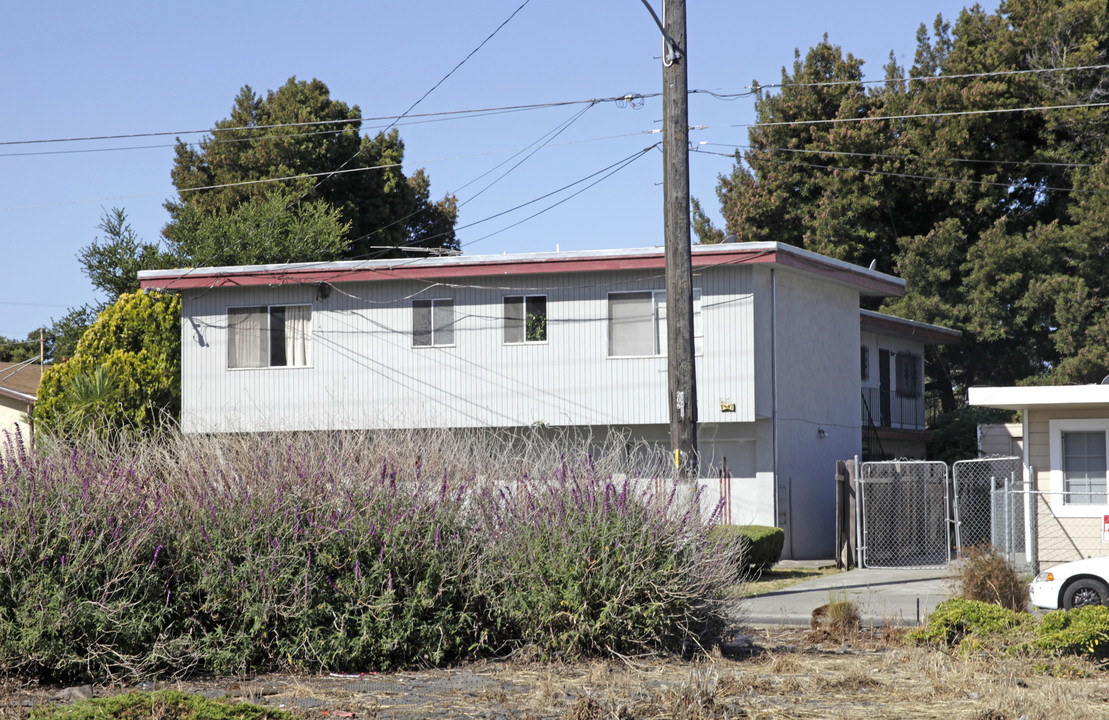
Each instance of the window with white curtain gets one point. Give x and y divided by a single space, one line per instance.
637 323
269 336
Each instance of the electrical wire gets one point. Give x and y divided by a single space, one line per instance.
420 162
957 113
603 172
903 157
926 78
964 181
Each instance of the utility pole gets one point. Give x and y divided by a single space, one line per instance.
680 370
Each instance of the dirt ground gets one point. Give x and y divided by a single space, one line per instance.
769 673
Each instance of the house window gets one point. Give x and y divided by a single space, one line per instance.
864 363
637 323
432 322
269 336
1077 456
525 319
908 375
1084 468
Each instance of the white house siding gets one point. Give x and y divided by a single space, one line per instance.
365 373
818 389
1061 539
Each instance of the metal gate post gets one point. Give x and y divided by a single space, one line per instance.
1008 522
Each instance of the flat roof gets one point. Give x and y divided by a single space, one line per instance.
883 324
1020 397
868 282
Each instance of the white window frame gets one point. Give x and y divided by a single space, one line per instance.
524 307
269 337
658 322
1056 428
432 303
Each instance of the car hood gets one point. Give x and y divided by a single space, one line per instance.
1093 566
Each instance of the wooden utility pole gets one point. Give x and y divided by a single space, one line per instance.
681 372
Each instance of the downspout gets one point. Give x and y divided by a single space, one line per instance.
774 398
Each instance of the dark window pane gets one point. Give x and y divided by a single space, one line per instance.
421 323
537 319
277 337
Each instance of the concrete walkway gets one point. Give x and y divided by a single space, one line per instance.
898 596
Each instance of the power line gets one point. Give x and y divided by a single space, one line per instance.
546 138
925 78
420 162
624 164
828 121
618 165
604 173
903 157
965 181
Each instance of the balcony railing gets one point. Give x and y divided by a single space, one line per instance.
889 410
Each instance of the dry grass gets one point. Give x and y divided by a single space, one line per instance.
791 679
769 581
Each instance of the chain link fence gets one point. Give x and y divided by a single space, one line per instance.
911 513
989 509
904 517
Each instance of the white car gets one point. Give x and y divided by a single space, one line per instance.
1073 584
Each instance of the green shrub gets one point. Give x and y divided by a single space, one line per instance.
251 553
163 704
957 619
983 574
1082 631
762 544
126 372
581 565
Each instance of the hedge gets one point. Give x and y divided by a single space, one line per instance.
763 546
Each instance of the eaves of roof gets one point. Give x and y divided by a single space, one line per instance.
868 282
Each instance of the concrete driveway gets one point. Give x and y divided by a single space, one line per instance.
899 596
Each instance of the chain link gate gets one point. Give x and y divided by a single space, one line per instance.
904 516
986 510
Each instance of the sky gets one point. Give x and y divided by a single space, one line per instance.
78 70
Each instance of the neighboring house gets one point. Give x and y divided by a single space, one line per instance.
572 339
1065 429
19 384
891 363
1000 439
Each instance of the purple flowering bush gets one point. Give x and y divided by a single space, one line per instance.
240 554
580 564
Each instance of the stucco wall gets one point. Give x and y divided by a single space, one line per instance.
818 390
13 415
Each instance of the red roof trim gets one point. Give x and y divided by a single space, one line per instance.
210 278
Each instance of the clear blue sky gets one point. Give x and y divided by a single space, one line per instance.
74 69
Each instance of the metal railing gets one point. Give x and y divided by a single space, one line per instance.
889 410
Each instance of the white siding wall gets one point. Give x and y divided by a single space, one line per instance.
365 373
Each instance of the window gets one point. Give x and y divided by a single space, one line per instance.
864 363
1084 468
432 322
525 319
273 336
908 375
1077 456
637 323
